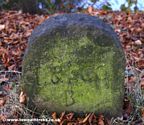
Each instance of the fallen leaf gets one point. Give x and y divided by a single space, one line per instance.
62 116
7 87
3 79
90 9
138 42
142 112
23 98
2 101
101 120
142 84
131 79
54 115
3 117
92 119
140 64
69 116
85 119
2 27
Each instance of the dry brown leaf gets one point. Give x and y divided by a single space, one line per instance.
101 120
3 79
85 119
138 42
54 115
3 117
2 27
23 98
16 27
92 119
142 112
90 9
2 101
69 116
131 79
142 84
62 116
140 64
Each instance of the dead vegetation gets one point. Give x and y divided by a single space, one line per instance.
16 27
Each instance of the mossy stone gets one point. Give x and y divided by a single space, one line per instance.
74 62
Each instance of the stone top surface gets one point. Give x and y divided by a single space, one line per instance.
68 20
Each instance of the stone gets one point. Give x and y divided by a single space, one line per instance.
74 62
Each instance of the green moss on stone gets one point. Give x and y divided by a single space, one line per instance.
77 75
74 74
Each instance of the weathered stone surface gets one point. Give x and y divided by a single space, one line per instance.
74 62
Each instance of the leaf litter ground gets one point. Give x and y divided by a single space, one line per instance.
16 27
